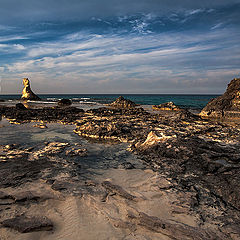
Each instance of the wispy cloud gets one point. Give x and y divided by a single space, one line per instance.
185 59
217 26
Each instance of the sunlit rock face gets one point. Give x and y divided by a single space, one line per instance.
169 106
27 93
226 106
121 102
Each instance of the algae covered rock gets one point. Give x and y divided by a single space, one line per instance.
226 106
27 93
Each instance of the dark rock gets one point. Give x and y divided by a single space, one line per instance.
112 188
20 106
20 170
66 114
184 114
226 106
64 102
174 231
127 165
60 186
24 224
2 100
121 102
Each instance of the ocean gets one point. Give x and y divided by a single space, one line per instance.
195 102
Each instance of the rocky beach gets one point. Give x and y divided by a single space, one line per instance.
121 171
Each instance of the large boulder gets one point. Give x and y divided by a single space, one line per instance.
27 93
226 106
64 102
121 102
20 106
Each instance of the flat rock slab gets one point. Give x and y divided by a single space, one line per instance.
24 224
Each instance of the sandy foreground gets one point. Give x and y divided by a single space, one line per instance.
90 216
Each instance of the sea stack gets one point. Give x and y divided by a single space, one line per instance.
27 93
226 106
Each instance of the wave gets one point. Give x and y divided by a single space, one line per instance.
40 102
87 102
54 99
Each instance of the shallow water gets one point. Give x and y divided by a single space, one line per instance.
101 155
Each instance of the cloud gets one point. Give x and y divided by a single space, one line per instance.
108 62
217 26
19 46
14 11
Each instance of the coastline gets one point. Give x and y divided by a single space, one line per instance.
173 170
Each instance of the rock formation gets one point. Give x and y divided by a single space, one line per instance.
169 106
121 102
226 106
27 93
64 102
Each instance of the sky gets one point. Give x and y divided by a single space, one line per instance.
119 46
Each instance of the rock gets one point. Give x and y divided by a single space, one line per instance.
2 100
153 139
40 125
27 93
226 106
20 106
51 148
64 102
169 106
82 152
121 102
46 114
115 189
24 224
184 114
126 165
173 230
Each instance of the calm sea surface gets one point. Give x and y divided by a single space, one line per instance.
185 101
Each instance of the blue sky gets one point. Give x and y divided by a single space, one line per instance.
119 46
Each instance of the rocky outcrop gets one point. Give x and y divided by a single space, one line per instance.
169 106
226 106
27 93
19 114
64 102
121 102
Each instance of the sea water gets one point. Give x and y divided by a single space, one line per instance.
185 101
